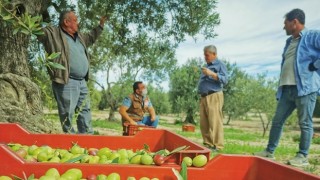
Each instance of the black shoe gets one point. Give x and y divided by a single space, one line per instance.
207 145
212 148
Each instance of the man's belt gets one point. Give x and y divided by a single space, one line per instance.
76 78
288 86
208 93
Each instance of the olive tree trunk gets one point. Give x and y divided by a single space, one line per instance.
20 98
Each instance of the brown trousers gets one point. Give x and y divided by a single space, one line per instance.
211 119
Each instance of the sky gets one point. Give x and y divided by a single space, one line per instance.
251 33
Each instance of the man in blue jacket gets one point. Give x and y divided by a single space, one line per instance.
298 86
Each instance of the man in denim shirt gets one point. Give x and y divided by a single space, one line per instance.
212 79
299 84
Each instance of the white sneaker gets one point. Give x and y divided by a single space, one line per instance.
265 154
299 161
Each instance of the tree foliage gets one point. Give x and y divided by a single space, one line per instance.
163 19
236 93
140 39
263 99
184 90
141 36
245 93
113 95
160 99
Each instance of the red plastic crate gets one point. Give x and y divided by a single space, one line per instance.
188 128
131 130
12 165
156 139
222 167
238 167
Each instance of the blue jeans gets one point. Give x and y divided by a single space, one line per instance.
147 121
305 107
73 98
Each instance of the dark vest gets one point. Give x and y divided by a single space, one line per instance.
138 107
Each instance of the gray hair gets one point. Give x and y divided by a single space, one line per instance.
63 16
210 48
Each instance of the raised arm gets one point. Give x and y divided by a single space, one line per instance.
92 36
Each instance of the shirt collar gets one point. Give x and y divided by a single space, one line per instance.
75 35
212 62
303 32
137 96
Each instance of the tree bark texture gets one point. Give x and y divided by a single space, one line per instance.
20 97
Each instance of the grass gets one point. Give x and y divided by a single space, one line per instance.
229 134
52 117
296 138
240 148
240 135
99 123
115 125
196 135
165 123
316 140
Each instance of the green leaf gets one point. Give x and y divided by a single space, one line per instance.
54 55
161 152
39 33
134 156
184 171
41 59
31 177
177 174
141 153
25 31
23 24
6 18
16 177
115 161
37 29
181 148
73 160
146 147
11 144
15 31
55 65
30 23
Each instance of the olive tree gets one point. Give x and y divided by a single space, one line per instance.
184 95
